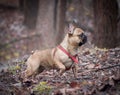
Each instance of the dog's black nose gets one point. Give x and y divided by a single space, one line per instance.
84 39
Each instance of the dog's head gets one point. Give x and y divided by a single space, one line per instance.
76 36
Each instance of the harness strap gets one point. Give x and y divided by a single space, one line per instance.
67 53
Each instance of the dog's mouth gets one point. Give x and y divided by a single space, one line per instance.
84 40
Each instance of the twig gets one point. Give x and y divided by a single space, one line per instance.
107 67
96 70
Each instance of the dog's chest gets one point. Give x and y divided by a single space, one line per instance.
66 60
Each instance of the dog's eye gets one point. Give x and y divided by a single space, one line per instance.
81 35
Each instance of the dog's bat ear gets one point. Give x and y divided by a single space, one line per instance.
70 34
71 28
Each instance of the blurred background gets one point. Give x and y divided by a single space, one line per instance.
27 25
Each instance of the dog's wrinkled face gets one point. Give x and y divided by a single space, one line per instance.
77 36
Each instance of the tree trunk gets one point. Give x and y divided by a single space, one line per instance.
48 18
31 11
50 22
60 19
21 5
105 12
45 23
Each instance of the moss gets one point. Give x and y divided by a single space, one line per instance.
101 49
42 88
13 69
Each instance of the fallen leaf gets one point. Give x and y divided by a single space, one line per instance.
74 84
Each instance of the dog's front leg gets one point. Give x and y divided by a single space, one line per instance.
75 69
60 66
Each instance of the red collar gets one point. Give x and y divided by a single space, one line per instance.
67 53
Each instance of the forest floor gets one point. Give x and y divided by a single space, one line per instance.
98 74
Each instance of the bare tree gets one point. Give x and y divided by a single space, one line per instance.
48 17
60 19
30 8
105 12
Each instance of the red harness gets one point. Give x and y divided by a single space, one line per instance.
67 53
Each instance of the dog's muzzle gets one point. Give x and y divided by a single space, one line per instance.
84 39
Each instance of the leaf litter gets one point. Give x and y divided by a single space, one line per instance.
98 74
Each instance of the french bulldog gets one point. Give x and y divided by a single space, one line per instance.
56 58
